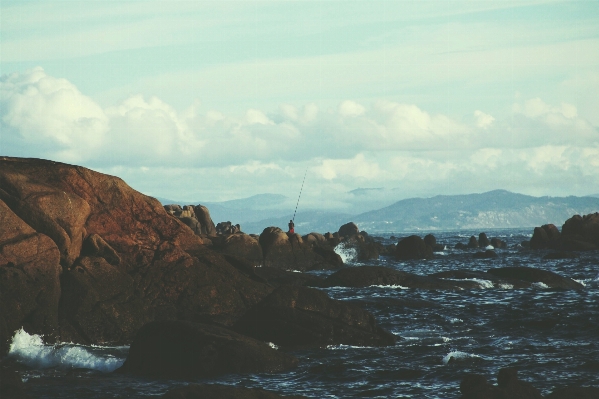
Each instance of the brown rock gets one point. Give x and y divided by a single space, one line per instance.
413 247
348 230
29 279
203 216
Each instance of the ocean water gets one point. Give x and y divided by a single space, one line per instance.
551 336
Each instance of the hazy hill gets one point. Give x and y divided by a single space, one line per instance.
494 209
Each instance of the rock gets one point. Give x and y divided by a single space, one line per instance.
209 391
546 236
306 317
475 386
413 247
185 350
483 240
133 263
348 230
288 252
561 255
226 228
430 240
365 246
203 216
552 280
512 387
277 277
29 279
583 228
241 245
11 384
472 243
575 393
364 276
488 254
460 245
497 243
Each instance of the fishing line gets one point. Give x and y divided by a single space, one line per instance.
300 194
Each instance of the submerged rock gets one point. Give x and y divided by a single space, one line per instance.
305 317
474 386
186 350
552 280
209 391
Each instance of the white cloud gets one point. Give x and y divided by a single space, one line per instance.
483 120
351 108
51 114
358 168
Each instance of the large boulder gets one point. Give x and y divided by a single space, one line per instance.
203 217
289 252
532 275
29 278
546 236
581 232
413 247
85 258
348 230
213 391
294 316
483 240
241 245
180 349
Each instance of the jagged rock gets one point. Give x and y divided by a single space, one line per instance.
552 280
181 349
498 243
203 216
304 317
206 391
583 228
226 228
483 240
413 247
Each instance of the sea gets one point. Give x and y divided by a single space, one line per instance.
551 336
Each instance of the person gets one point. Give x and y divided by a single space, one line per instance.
291 227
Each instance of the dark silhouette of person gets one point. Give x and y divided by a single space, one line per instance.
291 227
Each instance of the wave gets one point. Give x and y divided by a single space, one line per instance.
31 351
347 253
458 356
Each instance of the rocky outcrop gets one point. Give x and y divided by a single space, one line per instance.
185 350
348 230
209 391
226 228
546 236
483 240
581 232
277 277
413 247
85 258
532 275
294 316
289 252
197 218
488 254
475 386
240 245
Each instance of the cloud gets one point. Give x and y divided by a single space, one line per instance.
51 115
539 146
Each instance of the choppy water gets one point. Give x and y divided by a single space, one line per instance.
550 336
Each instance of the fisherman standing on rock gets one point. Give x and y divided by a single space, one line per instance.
291 227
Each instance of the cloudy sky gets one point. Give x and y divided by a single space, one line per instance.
218 100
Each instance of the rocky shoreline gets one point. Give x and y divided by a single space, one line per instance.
84 258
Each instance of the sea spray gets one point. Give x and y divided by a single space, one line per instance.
31 351
347 253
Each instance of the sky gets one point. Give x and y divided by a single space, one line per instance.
218 100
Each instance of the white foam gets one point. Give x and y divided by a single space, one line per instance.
481 282
506 286
395 286
272 345
347 253
441 253
489 247
454 320
580 282
458 355
540 284
31 350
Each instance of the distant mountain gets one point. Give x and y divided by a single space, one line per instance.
494 209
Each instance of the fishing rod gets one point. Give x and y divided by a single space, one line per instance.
300 194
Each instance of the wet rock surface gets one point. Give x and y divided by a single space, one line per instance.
208 391
184 350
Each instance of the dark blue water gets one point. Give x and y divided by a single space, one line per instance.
550 336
